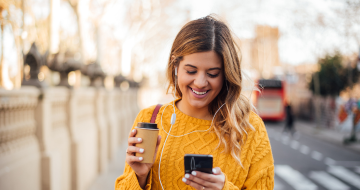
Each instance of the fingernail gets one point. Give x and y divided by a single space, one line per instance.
133 130
187 175
140 158
139 139
193 173
184 180
141 150
214 171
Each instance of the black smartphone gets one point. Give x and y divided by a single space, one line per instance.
198 162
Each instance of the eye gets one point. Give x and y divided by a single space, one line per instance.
213 76
191 72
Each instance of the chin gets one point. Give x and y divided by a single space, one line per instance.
198 103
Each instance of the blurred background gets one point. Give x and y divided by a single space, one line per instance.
75 73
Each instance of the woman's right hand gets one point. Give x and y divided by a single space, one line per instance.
141 169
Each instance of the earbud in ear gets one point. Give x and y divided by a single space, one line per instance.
175 71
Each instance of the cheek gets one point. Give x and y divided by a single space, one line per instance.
217 85
183 82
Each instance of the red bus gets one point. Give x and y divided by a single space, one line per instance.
270 101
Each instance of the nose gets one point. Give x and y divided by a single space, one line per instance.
201 81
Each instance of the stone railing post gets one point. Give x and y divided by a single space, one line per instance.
84 138
19 148
53 135
121 115
102 128
128 122
113 125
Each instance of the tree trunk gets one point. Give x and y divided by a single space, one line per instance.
81 45
2 50
16 80
75 6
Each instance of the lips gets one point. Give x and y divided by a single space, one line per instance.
199 93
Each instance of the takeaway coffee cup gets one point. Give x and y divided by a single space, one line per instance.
149 133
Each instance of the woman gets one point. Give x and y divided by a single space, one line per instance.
212 117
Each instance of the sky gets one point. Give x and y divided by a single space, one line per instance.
302 39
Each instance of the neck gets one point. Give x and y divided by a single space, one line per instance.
200 113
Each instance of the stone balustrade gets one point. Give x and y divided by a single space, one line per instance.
59 138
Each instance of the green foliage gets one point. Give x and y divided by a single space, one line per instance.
333 76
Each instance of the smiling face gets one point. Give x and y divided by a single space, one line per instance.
200 78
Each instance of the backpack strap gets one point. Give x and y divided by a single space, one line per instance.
156 111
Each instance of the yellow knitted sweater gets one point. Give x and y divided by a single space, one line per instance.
256 156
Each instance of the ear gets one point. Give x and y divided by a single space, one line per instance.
173 57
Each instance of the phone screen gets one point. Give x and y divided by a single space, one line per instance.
198 162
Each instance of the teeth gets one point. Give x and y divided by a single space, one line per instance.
199 93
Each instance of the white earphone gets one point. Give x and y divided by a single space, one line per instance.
172 122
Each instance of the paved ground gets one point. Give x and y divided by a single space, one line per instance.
328 135
306 162
311 159
106 181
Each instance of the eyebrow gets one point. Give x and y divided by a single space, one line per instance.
215 68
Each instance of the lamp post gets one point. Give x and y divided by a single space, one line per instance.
95 73
358 61
317 99
35 60
64 64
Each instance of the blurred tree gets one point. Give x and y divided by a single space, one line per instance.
98 9
8 19
333 76
75 6
3 6
148 32
351 18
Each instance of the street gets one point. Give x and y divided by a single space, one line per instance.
303 162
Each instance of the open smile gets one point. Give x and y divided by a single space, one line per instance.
199 93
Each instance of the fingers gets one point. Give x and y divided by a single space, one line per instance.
199 180
216 171
200 176
133 149
195 181
132 133
134 140
192 183
131 159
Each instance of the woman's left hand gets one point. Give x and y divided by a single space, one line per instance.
201 180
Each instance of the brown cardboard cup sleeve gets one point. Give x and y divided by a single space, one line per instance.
149 139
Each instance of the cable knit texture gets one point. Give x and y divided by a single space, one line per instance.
256 156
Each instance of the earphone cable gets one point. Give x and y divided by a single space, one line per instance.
168 133
167 136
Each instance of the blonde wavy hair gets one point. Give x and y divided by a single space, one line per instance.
232 120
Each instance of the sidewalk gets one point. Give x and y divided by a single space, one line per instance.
106 181
329 135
